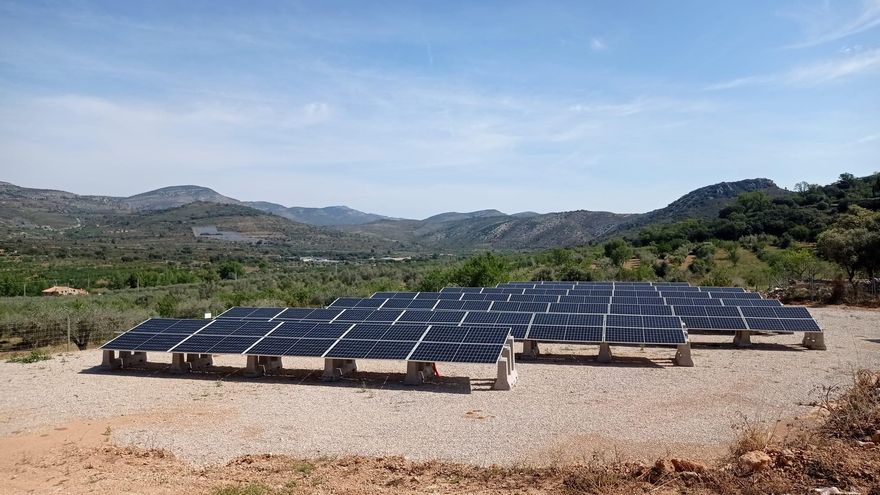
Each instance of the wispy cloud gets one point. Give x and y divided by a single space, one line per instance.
598 45
827 71
870 138
867 18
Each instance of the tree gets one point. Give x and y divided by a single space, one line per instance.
854 242
618 250
230 270
732 250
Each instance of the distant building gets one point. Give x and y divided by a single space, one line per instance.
61 290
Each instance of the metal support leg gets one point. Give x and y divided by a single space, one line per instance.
253 368
334 369
814 341
604 353
742 338
179 363
110 361
683 356
530 349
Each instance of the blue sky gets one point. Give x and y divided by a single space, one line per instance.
413 108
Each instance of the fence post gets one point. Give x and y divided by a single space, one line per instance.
68 333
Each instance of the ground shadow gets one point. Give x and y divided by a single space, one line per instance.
360 379
875 341
756 346
582 360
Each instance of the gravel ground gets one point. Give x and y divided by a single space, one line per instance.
565 406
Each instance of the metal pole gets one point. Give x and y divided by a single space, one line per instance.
68 333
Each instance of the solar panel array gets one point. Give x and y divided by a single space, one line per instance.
257 335
546 327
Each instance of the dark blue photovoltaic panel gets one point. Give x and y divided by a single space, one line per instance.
721 311
583 334
396 304
293 329
256 328
563 308
661 322
405 332
367 331
514 318
765 324
765 302
585 320
759 312
233 345
236 312
478 353
477 317
327 330
265 312
690 310
550 319
309 347
550 333
390 350
222 327
354 315
431 295
370 303
323 314
384 315
161 342
434 352
345 302
451 305
656 310
800 325
663 336
791 312
416 316
721 323
128 341
445 333
476 305
624 321
624 335
200 344
294 314
386 295
447 317
422 304
505 306
351 349
625 309
154 325
485 335
186 327
519 331
272 346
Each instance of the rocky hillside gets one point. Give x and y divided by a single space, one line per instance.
327 216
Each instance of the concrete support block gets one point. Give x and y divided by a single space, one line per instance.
110 361
179 363
253 368
683 355
129 358
530 349
271 363
742 338
604 353
417 373
199 361
334 369
504 379
814 341
512 359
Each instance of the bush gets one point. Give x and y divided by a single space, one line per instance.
32 357
856 413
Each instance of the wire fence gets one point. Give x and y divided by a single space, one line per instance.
73 336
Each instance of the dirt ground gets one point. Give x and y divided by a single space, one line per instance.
68 427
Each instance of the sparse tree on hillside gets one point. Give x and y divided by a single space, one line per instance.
854 242
618 250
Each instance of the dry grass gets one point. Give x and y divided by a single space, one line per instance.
856 412
751 434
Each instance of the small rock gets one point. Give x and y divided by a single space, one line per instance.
865 444
662 468
755 461
876 436
682 465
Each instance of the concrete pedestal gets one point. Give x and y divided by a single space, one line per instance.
179 363
199 361
417 373
683 356
814 340
604 353
742 338
505 379
334 369
253 368
271 363
110 361
132 358
530 349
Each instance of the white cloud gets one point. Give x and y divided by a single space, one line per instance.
825 29
866 62
597 45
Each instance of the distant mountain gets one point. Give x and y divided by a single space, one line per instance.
328 216
703 203
493 229
174 196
